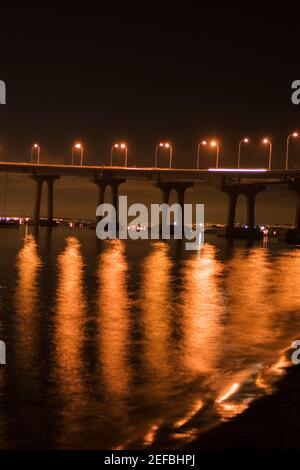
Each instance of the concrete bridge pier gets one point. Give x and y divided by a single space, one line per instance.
101 185
292 236
114 184
50 186
250 191
165 189
39 181
232 193
180 188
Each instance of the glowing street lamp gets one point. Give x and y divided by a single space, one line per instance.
267 141
215 144
77 148
198 151
294 135
241 142
35 150
122 147
164 145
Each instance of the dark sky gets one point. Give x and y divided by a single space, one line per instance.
143 74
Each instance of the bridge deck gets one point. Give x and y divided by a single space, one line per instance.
184 174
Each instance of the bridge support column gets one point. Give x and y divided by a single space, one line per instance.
165 189
114 184
233 194
297 219
39 180
101 185
250 191
50 185
180 190
293 235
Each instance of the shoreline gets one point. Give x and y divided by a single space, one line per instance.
270 423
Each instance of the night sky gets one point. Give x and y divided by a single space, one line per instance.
142 75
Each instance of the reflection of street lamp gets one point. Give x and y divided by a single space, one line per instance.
198 152
295 135
78 147
118 146
267 141
243 141
35 149
214 143
163 145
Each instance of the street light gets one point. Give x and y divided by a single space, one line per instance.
164 145
214 143
198 151
295 135
121 146
78 147
35 149
241 142
267 141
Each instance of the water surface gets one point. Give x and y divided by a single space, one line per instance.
138 344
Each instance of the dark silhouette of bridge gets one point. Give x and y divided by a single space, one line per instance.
233 182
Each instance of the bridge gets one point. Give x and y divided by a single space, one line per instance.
232 181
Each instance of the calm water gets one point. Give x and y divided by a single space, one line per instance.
137 344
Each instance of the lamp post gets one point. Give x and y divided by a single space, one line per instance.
267 141
164 145
214 143
241 142
198 151
78 147
35 149
121 146
295 135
